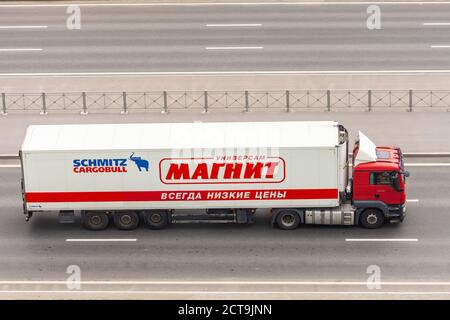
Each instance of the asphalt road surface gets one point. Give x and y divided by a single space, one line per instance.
224 38
226 260
230 261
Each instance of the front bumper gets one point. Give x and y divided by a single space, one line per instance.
397 213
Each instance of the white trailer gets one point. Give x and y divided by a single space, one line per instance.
133 172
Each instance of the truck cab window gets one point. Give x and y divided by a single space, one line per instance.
380 178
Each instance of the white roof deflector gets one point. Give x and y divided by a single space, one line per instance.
367 150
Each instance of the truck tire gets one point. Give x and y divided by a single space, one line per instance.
126 220
371 218
95 220
156 219
288 219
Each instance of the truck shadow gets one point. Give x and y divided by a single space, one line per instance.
47 223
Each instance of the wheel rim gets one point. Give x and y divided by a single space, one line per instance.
96 220
372 218
288 220
126 219
155 218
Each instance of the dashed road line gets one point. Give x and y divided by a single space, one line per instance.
234 25
438 164
436 23
19 49
382 240
23 27
101 240
234 48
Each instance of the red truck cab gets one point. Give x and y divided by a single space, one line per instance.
378 183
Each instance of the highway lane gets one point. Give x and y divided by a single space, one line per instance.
228 38
207 255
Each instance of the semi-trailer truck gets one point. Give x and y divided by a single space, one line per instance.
163 173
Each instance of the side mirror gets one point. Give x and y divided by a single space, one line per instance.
395 182
406 173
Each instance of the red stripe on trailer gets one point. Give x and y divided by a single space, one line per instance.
193 195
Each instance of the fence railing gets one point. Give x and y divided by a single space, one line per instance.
205 101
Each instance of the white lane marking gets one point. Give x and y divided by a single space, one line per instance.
234 48
10 165
235 25
442 164
101 240
202 73
436 24
225 292
20 49
130 4
381 240
440 46
412 200
23 27
221 282
426 154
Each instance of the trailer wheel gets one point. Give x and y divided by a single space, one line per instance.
95 220
371 218
156 219
126 220
288 219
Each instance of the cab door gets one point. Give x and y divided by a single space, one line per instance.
382 188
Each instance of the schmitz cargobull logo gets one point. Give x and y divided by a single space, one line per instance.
99 165
222 170
108 165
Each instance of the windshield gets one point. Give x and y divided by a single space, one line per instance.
402 162
403 172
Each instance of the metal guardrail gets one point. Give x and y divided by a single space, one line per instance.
205 101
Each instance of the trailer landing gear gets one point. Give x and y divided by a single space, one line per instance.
28 216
